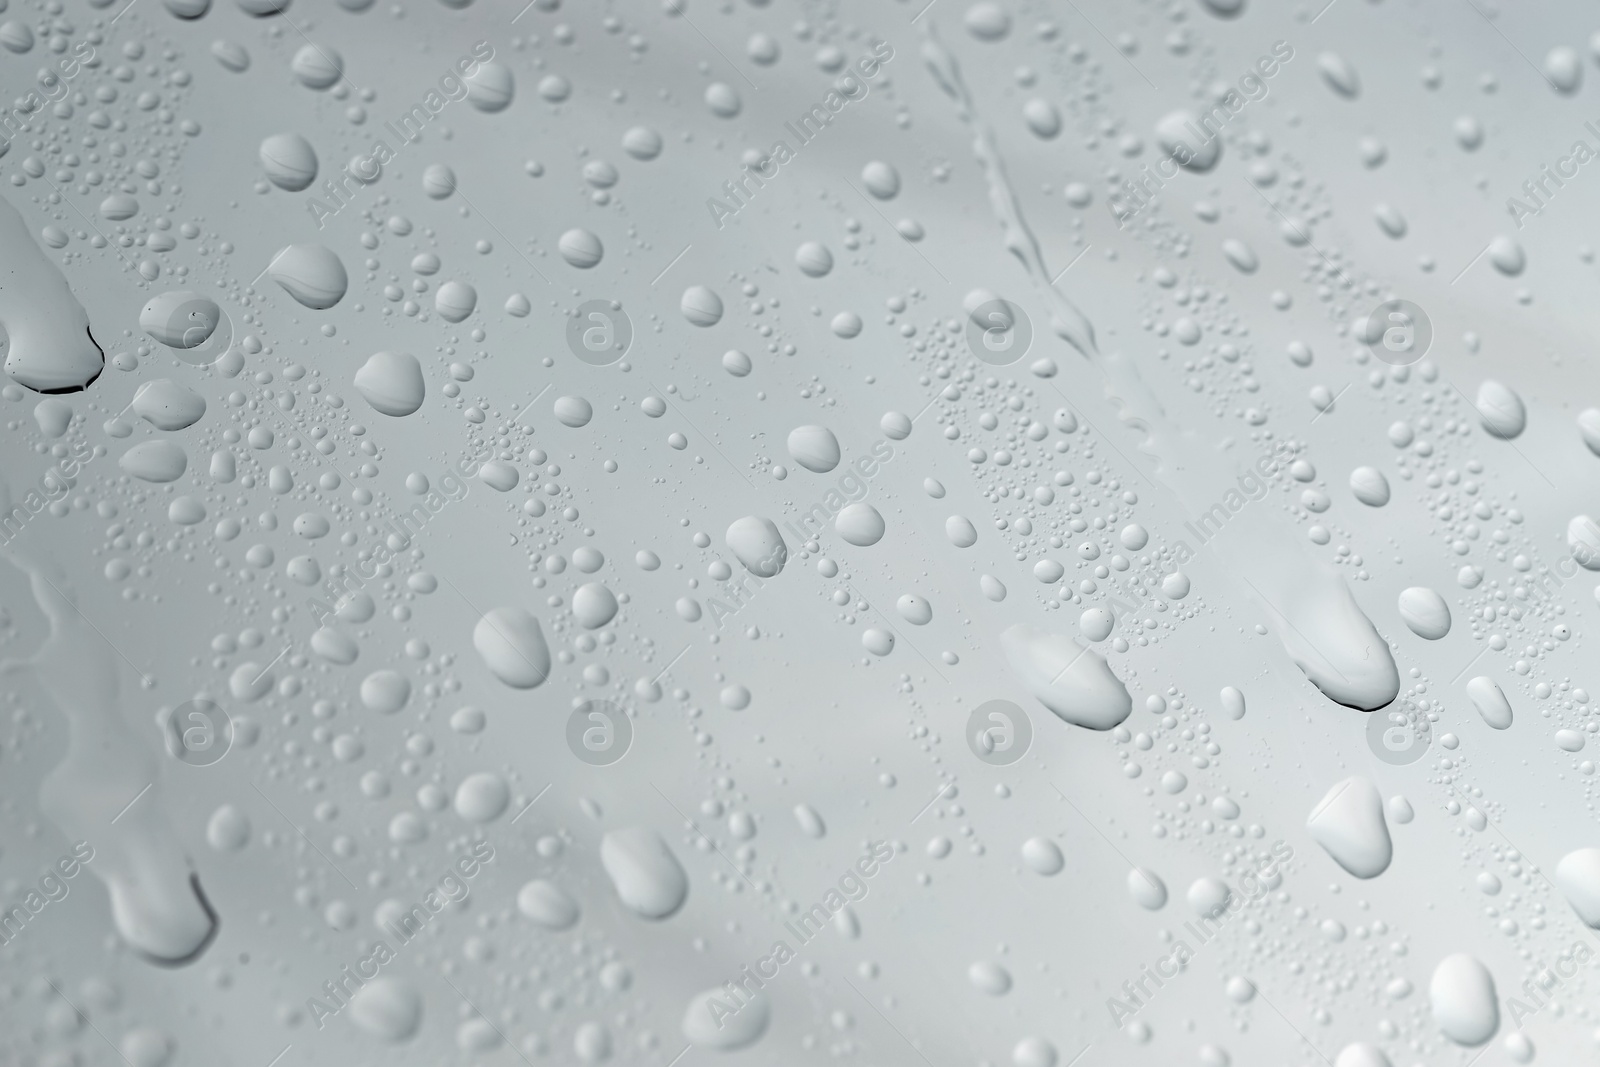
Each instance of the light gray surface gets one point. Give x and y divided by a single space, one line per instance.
789 690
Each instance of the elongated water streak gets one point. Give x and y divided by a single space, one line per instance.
44 331
1312 609
106 790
